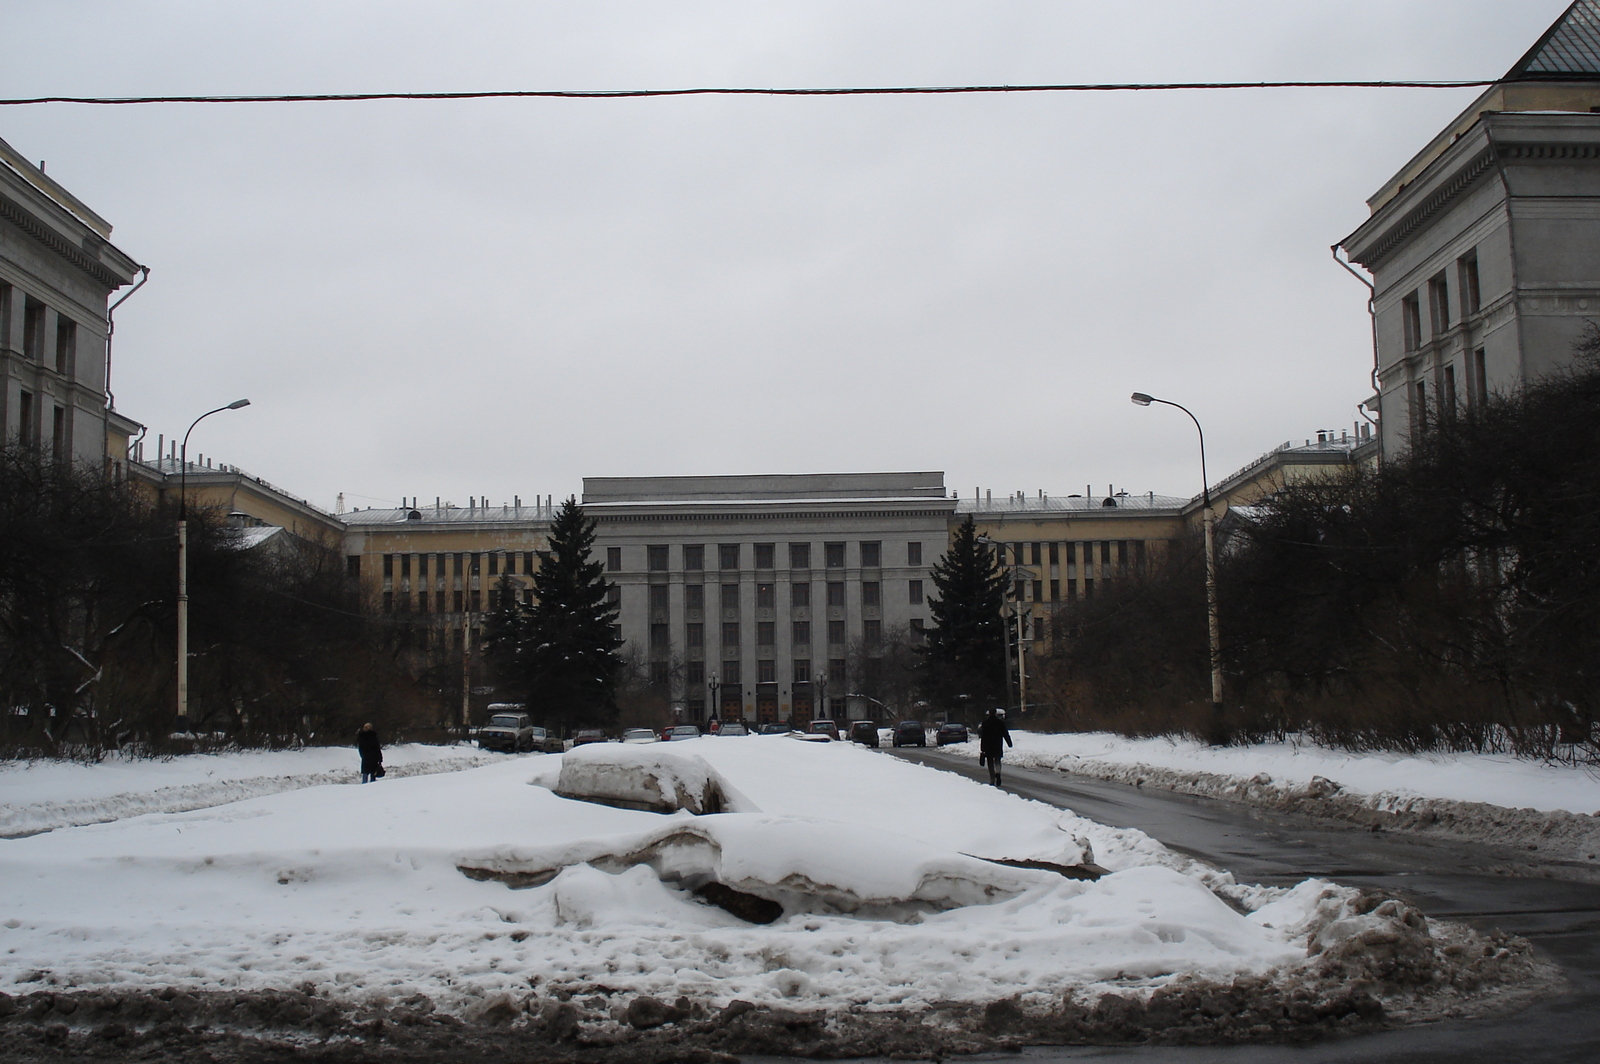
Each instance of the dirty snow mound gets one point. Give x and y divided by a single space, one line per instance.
647 777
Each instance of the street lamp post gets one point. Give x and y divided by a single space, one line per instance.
1017 572
183 563
1213 630
820 711
713 686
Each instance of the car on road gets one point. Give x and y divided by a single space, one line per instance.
733 727
586 736
679 732
775 729
640 735
510 732
951 732
864 732
910 733
825 727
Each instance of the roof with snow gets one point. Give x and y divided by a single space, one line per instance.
1569 49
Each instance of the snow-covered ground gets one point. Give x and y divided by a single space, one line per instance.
1493 779
358 890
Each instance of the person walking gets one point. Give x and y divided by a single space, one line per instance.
371 751
992 733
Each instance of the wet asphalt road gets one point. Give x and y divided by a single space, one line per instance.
1454 880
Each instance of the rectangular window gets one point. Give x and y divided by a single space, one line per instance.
660 673
1480 378
1419 405
33 329
1055 591
5 315
836 632
918 629
694 596
833 555
527 562
1439 305
694 671
766 671
1035 553
405 565
494 564
871 555
422 567
66 345
730 596
613 559
1021 591
1016 553
799 594
766 596
58 434
727 556
694 634
694 556
1447 391
766 633
1467 283
352 566
660 637
799 555
1055 554
25 418
766 555
388 566
1038 591
836 672
1411 321
913 553
802 670
475 601
802 633
915 595
656 557
730 633
871 592
872 632
477 563
730 681
388 602
613 596
460 600
835 593
660 597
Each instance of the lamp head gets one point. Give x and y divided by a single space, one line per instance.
237 403
1141 399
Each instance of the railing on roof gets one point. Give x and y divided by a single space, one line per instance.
172 467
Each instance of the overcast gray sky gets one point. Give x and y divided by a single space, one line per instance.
501 297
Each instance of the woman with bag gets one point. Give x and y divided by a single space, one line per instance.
371 751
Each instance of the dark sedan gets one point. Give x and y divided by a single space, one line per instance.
864 732
951 732
589 735
910 733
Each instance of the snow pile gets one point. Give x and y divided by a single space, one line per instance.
882 874
43 795
646 777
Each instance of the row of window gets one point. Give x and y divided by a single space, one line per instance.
462 564
694 633
34 319
1437 293
28 430
730 556
694 595
1448 400
731 674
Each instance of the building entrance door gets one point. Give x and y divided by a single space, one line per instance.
767 708
800 717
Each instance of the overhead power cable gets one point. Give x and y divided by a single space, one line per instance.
622 94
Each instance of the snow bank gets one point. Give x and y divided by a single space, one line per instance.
43 795
1422 795
651 777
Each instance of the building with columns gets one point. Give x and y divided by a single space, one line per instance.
1484 249
58 270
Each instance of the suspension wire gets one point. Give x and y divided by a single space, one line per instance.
623 94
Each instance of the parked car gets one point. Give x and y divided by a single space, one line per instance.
775 729
639 735
733 727
589 735
951 732
864 732
509 732
682 731
825 727
910 733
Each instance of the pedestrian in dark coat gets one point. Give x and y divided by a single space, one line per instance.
371 751
993 738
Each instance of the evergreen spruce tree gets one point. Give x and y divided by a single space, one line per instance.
505 632
964 653
567 656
